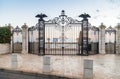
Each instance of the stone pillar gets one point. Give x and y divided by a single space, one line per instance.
14 61
24 39
102 39
117 39
46 64
88 69
11 42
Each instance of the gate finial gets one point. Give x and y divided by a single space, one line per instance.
41 16
85 16
63 12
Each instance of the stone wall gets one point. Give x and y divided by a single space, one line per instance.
4 48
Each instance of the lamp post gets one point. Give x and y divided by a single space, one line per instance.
84 42
41 33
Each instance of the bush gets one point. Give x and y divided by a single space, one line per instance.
5 34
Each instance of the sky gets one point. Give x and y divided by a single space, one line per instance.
18 12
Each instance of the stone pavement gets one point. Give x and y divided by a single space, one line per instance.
104 66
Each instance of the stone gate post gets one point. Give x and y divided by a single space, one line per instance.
102 39
24 39
117 39
11 42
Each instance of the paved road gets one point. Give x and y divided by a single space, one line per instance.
3 78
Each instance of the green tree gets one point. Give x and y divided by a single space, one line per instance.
5 34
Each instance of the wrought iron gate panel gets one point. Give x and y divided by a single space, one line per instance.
93 40
17 40
110 40
61 35
33 40
110 48
54 44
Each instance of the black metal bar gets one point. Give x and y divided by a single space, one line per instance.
82 40
115 44
87 37
44 38
98 41
28 42
62 40
13 43
39 38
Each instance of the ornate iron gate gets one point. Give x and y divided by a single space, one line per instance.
110 40
93 35
33 40
61 36
17 40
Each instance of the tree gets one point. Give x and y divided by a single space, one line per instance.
5 34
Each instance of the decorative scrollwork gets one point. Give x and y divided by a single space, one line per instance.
95 29
63 21
17 29
110 30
